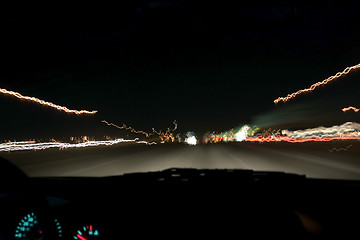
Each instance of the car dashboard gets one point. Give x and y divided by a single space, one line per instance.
177 203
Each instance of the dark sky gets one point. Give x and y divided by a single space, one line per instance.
209 66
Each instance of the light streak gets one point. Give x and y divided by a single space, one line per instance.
147 143
22 142
349 128
164 136
340 149
126 128
350 108
15 146
298 140
315 85
175 126
229 136
346 131
45 103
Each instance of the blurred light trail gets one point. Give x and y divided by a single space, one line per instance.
346 131
349 128
340 149
298 140
164 136
315 85
126 128
20 146
22 142
350 108
147 143
42 102
175 126
238 135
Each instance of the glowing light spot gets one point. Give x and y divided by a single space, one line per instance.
191 140
44 103
242 133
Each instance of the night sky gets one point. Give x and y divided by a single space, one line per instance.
208 66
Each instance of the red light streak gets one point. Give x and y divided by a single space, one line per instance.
44 103
315 85
350 108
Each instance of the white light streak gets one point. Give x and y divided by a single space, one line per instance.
21 146
147 143
346 129
340 149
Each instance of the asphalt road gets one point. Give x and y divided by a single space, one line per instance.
336 160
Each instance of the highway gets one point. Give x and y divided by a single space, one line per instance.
330 160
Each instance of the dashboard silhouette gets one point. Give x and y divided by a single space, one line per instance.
178 203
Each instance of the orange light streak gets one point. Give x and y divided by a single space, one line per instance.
315 85
350 108
126 128
42 102
164 136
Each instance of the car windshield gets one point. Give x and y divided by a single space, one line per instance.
152 85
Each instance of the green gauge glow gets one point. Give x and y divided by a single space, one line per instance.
58 228
28 228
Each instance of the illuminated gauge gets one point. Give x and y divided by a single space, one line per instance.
88 232
29 228
58 228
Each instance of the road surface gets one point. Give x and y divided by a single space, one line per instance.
336 160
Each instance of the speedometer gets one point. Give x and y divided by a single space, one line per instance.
29 228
